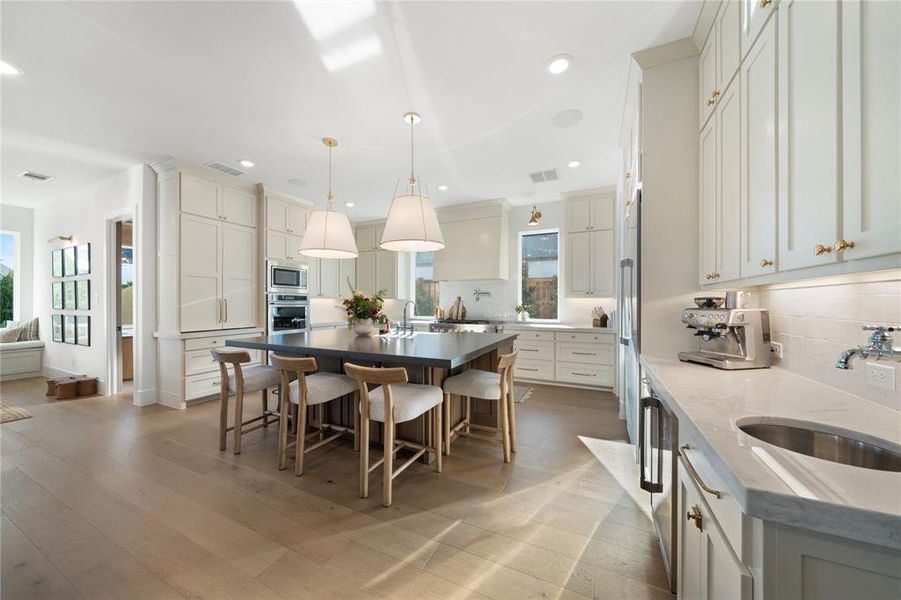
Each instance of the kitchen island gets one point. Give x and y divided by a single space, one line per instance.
428 358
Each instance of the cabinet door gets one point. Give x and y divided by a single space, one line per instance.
199 196
758 162
239 276
578 214
728 38
602 255
347 276
277 215
312 274
276 245
722 574
809 172
728 115
297 219
708 203
201 274
328 278
578 264
386 273
871 113
688 563
366 239
366 282
239 207
708 79
602 211
754 14
294 247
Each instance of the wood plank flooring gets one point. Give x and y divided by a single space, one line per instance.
101 499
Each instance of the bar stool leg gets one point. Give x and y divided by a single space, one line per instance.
445 406
223 414
364 451
511 417
239 416
283 424
264 396
437 439
356 408
503 425
467 411
388 465
301 435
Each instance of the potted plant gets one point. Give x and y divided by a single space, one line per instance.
522 311
362 311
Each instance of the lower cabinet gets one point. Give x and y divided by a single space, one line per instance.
573 358
707 565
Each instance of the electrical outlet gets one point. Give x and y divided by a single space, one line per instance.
776 349
881 376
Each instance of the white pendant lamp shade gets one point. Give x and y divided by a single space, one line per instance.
412 226
328 233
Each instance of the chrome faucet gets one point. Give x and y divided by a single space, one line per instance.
879 345
477 294
406 304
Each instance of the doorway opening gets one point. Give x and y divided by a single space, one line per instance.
124 286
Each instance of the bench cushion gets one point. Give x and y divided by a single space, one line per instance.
11 346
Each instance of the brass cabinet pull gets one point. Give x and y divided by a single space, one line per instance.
528 349
584 374
694 474
820 250
225 302
526 369
765 3
766 263
585 353
841 245
695 514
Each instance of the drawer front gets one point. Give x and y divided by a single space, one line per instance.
535 370
535 350
199 386
586 338
213 342
595 354
201 361
527 334
583 374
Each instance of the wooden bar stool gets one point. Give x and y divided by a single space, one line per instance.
395 401
309 389
244 381
475 383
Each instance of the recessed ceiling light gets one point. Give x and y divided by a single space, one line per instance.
573 164
9 68
442 187
559 64
246 163
349 204
567 118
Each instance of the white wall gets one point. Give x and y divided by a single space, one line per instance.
504 294
21 221
84 215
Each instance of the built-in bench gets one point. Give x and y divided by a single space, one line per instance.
21 359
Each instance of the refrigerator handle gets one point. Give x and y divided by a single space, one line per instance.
625 336
645 406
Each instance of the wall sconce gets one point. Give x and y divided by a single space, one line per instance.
535 217
61 238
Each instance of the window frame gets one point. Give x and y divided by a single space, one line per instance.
521 235
412 267
17 272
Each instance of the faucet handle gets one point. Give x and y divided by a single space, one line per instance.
883 328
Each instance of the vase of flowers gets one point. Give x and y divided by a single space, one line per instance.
363 312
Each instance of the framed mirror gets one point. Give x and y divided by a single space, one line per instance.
68 261
56 263
68 295
57 295
69 329
83 330
83 259
83 294
57 326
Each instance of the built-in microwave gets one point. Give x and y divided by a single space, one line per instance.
283 276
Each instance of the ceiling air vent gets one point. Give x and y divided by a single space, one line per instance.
542 176
223 168
35 176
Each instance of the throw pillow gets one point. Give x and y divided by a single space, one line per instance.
10 334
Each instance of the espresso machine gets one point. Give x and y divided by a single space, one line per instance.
728 338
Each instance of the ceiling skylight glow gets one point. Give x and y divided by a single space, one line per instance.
326 19
352 53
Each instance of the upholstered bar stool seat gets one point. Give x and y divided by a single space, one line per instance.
410 401
475 383
322 387
260 377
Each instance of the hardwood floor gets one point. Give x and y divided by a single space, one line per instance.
101 499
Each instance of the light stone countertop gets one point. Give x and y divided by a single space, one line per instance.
576 328
810 493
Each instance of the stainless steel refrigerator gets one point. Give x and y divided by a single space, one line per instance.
629 300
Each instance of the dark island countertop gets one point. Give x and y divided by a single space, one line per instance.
443 350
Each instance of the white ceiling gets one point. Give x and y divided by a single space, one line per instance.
111 84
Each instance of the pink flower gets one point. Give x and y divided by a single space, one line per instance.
374 312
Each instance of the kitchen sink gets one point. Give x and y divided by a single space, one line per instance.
826 445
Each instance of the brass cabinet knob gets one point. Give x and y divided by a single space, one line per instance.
695 515
820 250
715 275
843 245
709 276
765 3
766 263
711 102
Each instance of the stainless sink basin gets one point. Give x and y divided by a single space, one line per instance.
825 445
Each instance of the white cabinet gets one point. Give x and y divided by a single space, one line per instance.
754 15
284 215
707 565
871 128
758 155
386 273
590 212
589 264
283 245
365 271
809 143
368 238
216 201
708 176
601 246
728 43
579 359
476 238
328 277
347 276
218 275
707 78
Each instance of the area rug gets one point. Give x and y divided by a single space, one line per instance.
12 413
521 392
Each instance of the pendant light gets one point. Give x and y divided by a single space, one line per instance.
328 233
412 224
535 217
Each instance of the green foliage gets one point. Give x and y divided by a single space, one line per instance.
360 306
6 298
426 296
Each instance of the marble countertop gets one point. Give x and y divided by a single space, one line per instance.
577 328
794 489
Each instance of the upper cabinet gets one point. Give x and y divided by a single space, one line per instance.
754 15
476 238
589 244
707 80
720 58
375 269
213 200
871 129
809 152
285 223
587 212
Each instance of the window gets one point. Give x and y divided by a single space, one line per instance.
539 274
426 290
9 247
